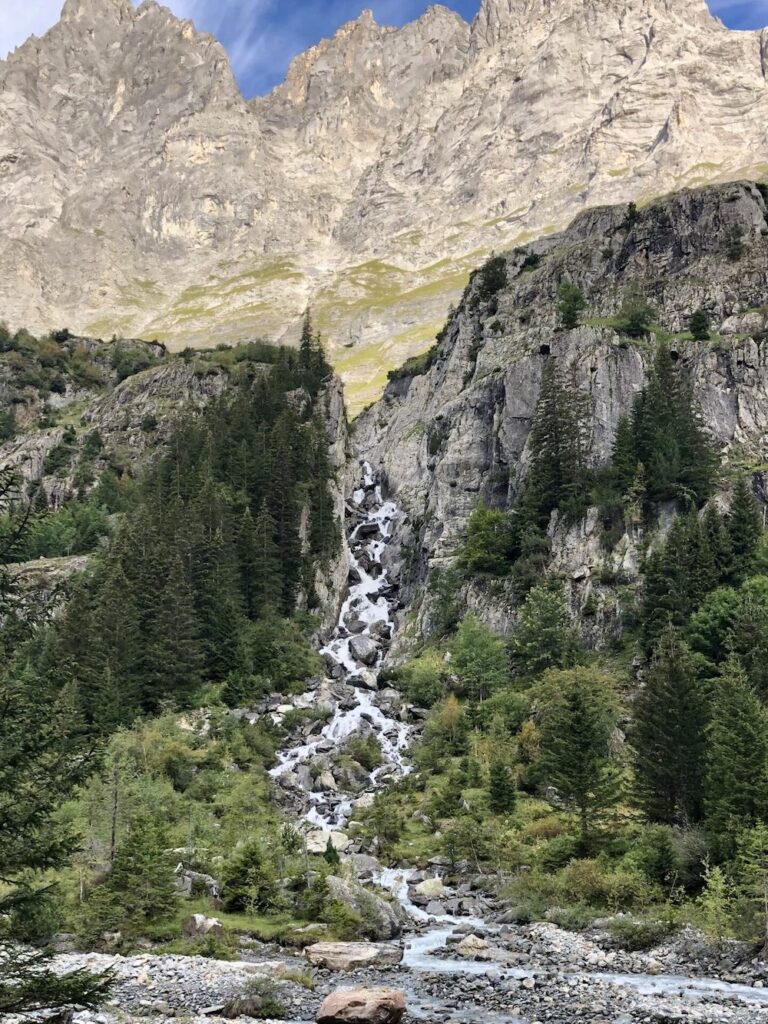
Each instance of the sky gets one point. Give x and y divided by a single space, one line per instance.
263 35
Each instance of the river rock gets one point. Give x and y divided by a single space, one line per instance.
363 1006
431 887
364 650
198 925
365 680
352 956
382 920
474 948
317 842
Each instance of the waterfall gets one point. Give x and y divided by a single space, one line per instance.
355 654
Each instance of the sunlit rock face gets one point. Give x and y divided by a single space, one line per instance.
140 194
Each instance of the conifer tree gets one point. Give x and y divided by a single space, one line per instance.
180 657
745 525
752 875
141 880
44 755
572 305
558 477
502 791
668 736
736 781
545 636
579 717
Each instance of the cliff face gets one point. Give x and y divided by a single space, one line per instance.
458 433
140 194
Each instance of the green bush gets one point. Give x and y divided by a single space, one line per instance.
638 934
492 277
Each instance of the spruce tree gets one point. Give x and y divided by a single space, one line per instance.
578 720
736 780
545 636
745 525
558 477
141 880
44 756
571 306
668 736
502 791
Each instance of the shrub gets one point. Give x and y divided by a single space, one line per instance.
572 304
635 316
492 277
637 934
699 326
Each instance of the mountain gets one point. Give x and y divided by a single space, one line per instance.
142 195
453 431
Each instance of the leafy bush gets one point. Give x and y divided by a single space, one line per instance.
638 934
492 277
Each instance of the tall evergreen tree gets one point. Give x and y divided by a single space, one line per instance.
44 755
668 735
502 791
736 784
745 525
578 719
558 477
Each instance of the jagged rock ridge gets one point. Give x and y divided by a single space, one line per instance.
142 195
459 433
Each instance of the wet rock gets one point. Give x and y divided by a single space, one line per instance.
364 650
382 920
474 948
433 887
317 842
353 956
363 1006
365 680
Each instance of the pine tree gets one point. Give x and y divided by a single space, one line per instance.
176 636
545 636
331 854
478 660
43 757
668 736
502 791
579 717
141 879
752 874
748 636
745 525
260 564
699 326
736 783
558 477
572 305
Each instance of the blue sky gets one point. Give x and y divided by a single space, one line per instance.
263 35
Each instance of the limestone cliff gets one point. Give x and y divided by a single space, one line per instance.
140 194
458 431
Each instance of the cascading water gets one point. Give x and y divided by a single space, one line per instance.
356 650
355 654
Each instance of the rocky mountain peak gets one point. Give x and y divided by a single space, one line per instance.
93 10
511 22
368 184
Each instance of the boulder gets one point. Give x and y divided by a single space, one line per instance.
364 650
474 948
363 1006
317 842
382 920
197 926
351 956
364 680
431 887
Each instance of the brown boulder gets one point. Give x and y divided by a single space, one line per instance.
363 1006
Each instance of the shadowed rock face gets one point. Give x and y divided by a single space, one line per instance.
141 194
459 432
